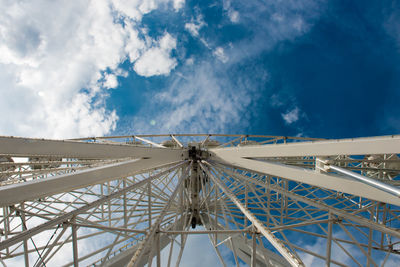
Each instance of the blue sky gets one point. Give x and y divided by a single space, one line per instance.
312 68
324 69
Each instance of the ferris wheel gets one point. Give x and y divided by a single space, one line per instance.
271 200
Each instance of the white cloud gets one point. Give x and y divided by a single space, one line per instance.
53 62
271 22
195 26
193 29
392 24
157 59
55 66
110 81
201 99
233 15
299 24
205 96
287 105
291 116
189 61
276 101
178 4
134 46
220 54
231 12
135 9
205 43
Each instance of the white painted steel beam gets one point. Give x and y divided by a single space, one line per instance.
65 217
25 147
140 251
329 181
285 252
239 170
34 189
176 141
122 259
244 249
355 146
320 205
149 142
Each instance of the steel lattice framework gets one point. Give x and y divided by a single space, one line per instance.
272 200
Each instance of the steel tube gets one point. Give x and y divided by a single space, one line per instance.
208 232
74 242
370 181
106 228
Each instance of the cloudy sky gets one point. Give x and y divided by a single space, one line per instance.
312 68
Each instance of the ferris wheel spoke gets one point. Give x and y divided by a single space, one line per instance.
321 205
155 227
229 217
66 217
40 188
112 230
354 146
294 260
329 181
25 147
132 225
275 221
243 245
299 207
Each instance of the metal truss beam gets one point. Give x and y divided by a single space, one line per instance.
311 177
123 258
17 193
340 213
25 147
355 146
271 205
65 217
136 258
288 255
264 257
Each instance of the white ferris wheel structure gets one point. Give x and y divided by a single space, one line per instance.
270 200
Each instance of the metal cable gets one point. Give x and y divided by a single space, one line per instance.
23 223
40 259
